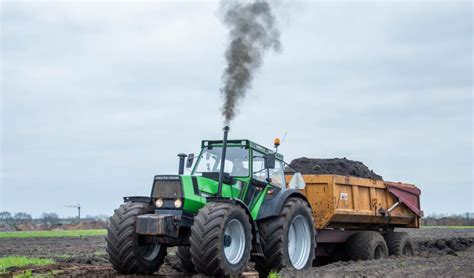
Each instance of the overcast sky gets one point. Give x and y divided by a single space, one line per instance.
98 98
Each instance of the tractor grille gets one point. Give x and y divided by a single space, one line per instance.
167 187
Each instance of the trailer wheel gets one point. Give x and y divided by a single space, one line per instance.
184 255
399 244
129 252
366 245
287 240
221 240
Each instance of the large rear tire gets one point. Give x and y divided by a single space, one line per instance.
399 244
367 245
221 240
128 252
287 240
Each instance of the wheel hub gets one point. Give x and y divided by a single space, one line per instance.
234 241
227 240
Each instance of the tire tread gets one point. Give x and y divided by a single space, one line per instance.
120 240
396 241
361 245
205 238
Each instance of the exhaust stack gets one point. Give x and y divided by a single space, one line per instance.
182 157
221 171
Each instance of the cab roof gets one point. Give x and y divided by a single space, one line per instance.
240 142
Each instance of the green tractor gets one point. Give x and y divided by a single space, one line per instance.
233 207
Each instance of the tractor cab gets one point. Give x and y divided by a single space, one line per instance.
245 161
249 172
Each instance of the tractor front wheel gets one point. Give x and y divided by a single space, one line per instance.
221 240
129 252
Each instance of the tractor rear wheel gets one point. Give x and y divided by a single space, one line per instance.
399 244
184 255
129 252
366 245
221 240
287 240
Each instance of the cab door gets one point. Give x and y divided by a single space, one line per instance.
258 180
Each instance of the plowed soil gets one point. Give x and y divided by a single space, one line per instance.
336 166
440 252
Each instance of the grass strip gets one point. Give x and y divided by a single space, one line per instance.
55 233
15 261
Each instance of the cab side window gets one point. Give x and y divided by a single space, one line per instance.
277 175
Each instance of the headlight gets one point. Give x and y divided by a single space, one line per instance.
159 203
178 203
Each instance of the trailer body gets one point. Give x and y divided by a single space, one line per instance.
345 207
346 202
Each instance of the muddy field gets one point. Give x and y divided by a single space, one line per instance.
440 252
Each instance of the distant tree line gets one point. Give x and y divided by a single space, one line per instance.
47 219
52 219
440 219
25 218
17 218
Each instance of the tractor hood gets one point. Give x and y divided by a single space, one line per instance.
192 190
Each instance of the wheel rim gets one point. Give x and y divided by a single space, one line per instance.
150 251
378 253
234 245
407 250
299 242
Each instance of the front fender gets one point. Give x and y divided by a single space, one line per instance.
138 199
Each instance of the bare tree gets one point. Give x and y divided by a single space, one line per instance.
22 218
5 216
49 219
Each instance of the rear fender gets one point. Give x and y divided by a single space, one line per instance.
272 207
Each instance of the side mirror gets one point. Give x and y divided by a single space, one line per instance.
189 162
269 161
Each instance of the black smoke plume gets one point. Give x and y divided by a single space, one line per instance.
252 32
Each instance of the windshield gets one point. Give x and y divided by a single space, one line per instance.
236 161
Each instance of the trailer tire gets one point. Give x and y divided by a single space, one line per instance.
126 252
367 245
275 238
399 244
221 239
184 255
